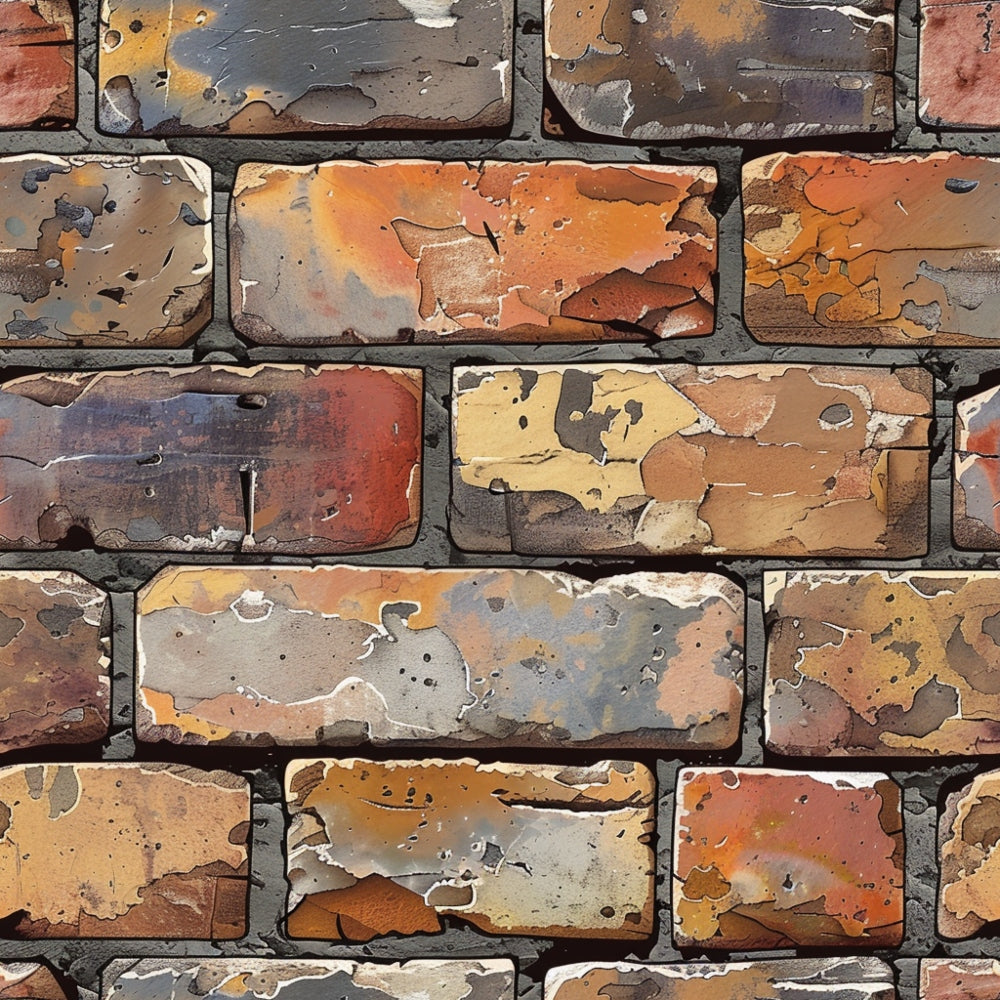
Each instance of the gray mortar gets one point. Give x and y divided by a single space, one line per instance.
956 372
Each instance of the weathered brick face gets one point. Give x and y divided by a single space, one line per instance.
602 391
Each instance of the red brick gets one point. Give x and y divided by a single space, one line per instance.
959 979
976 507
278 458
32 981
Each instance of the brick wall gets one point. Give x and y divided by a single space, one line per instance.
616 921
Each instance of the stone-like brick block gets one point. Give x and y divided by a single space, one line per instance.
37 64
212 458
745 459
32 981
104 251
739 70
122 850
416 250
55 637
845 249
393 847
875 662
345 655
959 979
968 898
306 979
777 859
242 67
976 487
782 979
959 68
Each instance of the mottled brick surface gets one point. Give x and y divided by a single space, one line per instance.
274 458
344 655
123 850
959 979
243 67
642 460
869 662
833 978
395 847
37 64
740 70
847 249
403 250
32 981
306 979
976 488
55 645
774 859
104 251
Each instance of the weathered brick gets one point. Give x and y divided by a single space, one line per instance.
739 70
959 979
968 899
392 847
874 662
976 487
278 458
774 859
751 459
959 68
37 64
122 850
783 979
306 979
104 251
847 249
55 637
241 67
345 655
32 981
403 250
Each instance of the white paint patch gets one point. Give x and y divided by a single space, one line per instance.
431 13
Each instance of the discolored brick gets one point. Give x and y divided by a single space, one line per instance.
968 899
37 64
305 978
741 459
776 859
104 251
959 979
123 850
55 638
416 250
240 67
277 458
895 251
346 655
655 70
976 486
32 981
959 68
393 847
876 662
836 978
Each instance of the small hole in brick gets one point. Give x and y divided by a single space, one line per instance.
251 401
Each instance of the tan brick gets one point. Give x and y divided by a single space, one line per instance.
896 251
876 662
284 979
416 250
776 859
782 979
344 655
242 67
393 847
55 638
641 460
104 251
278 458
37 64
123 850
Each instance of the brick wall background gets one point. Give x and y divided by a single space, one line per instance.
955 371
